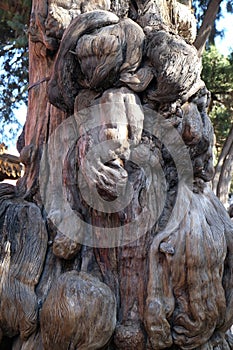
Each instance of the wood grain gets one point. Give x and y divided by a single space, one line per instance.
23 249
116 95
74 300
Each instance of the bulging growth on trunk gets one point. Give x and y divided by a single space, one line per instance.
113 238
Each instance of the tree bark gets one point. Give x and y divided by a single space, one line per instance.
113 239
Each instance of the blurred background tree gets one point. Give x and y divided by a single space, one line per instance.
14 20
218 76
217 73
208 13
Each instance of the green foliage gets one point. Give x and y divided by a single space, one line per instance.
217 71
218 76
13 62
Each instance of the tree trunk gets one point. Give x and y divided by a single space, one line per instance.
113 239
224 170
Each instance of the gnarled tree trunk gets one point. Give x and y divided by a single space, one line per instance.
113 239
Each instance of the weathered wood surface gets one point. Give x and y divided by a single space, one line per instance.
23 249
113 239
70 314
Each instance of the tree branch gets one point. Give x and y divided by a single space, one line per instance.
224 182
207 25
224 156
